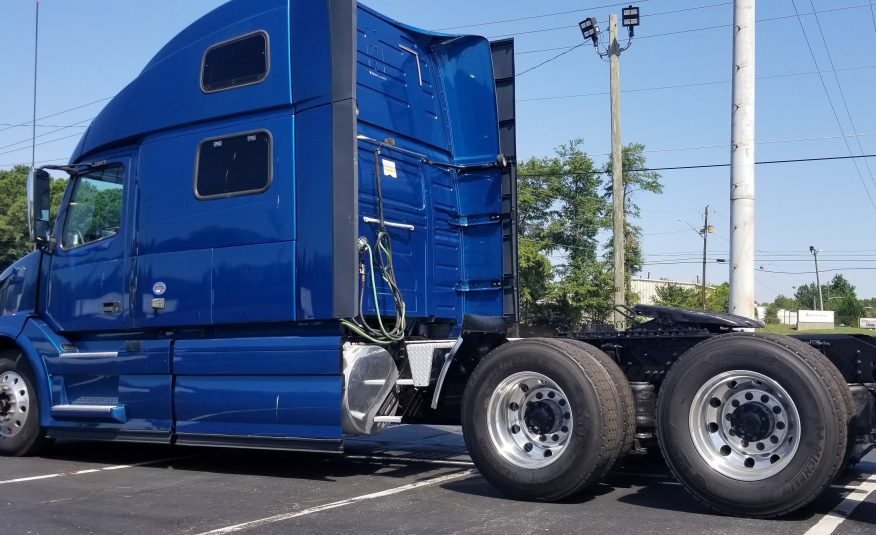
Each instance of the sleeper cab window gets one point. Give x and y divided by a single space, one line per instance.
235 63
237 164
95 208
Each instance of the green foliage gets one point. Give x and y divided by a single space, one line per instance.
14 239
675 295
718 298
839 296
564 202
781 302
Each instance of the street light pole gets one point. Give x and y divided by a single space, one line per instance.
617 176
814 252
705 249
590 30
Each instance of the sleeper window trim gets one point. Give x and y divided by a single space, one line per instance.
228 42
240 193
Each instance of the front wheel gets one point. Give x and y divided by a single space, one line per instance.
20 430
541 420
751 424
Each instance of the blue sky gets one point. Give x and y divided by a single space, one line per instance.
675 101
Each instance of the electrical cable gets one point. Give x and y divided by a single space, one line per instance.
380 334
830 102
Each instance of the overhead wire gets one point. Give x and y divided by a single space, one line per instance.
841 92
830 102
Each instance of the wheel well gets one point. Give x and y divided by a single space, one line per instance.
7 344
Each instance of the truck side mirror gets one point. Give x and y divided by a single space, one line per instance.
39 199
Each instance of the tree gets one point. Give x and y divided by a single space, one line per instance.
633 157
781 302
675 295
563 205
718 298
14 239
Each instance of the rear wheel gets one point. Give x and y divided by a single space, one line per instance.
20 431
540 419
752 424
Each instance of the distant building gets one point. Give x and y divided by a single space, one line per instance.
646 289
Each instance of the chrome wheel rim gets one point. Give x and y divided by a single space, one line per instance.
744 425
14 404
530 420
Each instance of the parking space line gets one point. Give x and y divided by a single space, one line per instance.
440 462
340 503
843 509
93 470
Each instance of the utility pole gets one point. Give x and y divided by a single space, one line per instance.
742 162
590 30
617 170
705 249
814 252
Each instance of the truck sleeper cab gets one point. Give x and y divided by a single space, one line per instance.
298 223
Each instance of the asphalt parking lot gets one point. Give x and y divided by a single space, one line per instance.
411 479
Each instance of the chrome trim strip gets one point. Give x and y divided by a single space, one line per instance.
405 226
94 355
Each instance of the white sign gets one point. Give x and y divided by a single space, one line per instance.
815 316
868 323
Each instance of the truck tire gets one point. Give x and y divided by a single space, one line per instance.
851 456
20 430
752 424
541 420
620 385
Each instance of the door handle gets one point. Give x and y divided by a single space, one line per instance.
112 307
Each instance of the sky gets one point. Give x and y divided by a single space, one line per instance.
813 100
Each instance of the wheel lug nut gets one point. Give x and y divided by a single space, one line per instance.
764 398
715 402
777 410
551 395
515 429
725 450
564 429
555 437
542 438
749 396
514 406
539 395
760 446
562 402
567 415
548 453
774 439
735 403
780 425
524 387
527 447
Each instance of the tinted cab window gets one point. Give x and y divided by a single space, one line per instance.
95 208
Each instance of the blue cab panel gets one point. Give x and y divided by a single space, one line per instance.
213 307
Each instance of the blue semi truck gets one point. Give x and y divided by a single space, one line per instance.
298 224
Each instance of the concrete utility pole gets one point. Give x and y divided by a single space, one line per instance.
742 162
617 171
705 248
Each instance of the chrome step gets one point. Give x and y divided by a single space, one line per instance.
114 413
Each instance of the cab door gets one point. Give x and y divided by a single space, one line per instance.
104 378
90 266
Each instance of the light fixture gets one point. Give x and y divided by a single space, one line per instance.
630 18
590 30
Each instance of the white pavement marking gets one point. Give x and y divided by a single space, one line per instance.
341 503
442 462
93 470
833 519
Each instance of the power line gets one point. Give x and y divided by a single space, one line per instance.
50 132
27 123
706 166
830 102
39 125
841 92
682 86
532 17
551 59
43 143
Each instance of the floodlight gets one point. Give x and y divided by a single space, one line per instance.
590 30
630 16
